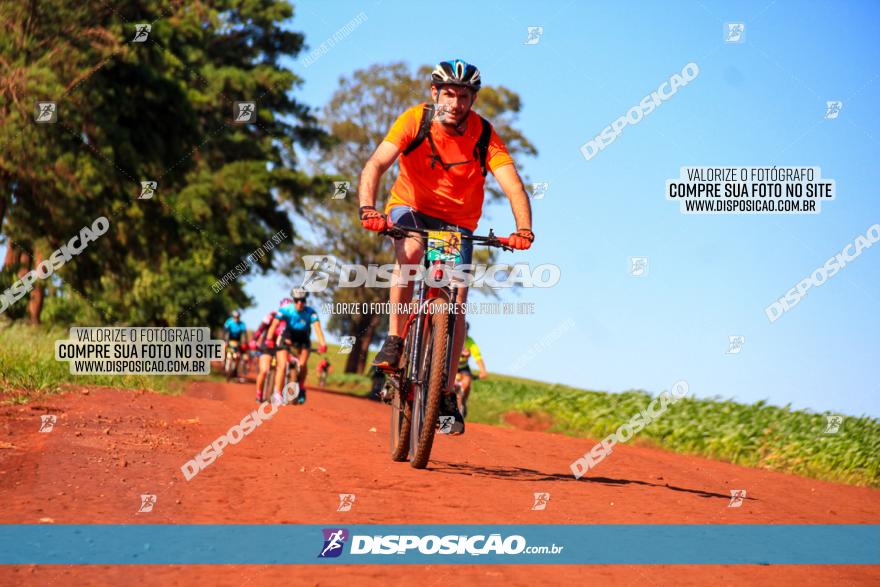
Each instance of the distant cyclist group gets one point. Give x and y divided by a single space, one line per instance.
283 339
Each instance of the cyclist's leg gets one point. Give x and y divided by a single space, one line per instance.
281 356
264 365
303 365
408 252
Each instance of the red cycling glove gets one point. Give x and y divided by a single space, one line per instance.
322 348
521 239
371 219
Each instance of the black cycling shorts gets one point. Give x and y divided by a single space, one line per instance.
295 339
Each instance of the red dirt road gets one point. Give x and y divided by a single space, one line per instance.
108 447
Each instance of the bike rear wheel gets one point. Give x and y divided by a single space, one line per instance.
427 397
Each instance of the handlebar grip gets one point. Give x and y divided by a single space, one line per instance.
503 240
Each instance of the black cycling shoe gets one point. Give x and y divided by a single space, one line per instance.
449 407
388 357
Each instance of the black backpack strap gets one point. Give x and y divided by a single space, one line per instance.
481 149
424 129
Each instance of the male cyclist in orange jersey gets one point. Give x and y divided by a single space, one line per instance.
447 150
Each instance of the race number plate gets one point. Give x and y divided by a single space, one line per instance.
444 245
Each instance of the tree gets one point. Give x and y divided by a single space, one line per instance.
359 114
158 110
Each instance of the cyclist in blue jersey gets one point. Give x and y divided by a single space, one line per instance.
235 329
235 336
299 320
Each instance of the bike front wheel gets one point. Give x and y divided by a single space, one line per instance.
427 397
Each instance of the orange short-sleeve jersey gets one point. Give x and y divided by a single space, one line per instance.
454 195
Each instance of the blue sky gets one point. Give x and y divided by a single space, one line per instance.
759 103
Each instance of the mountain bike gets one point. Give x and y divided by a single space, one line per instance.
416 388
291 372
232 363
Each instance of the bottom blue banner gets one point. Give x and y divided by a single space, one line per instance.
440 544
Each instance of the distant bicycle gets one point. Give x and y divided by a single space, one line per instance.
291 392
232 363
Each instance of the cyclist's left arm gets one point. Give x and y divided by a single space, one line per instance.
510 182
316 324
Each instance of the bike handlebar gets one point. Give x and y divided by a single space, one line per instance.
490 240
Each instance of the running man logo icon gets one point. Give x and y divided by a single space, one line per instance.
345 344
147 503
440 112
346 500
46 112
832 109
334 540
47 422
318 270
638 266
446 423
736 498
834 424
736 343
340 189
535 33
148 190
244 112
141 32
541 500
539 190
734 32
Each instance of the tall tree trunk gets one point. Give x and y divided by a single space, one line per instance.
35 305
12 254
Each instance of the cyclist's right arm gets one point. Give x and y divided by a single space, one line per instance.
380 161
